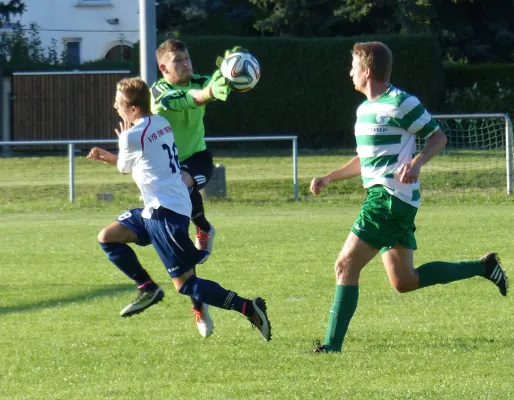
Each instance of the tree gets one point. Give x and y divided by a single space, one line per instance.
205 17
475 31
23 48
296 17
10 8
467 30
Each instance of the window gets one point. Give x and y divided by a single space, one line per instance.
72 51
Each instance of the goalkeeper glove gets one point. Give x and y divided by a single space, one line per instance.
217 87
235 49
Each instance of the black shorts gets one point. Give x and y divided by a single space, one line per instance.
199 166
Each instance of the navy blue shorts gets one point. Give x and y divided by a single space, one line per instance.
199 166
168 232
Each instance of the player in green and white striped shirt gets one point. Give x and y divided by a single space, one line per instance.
385 131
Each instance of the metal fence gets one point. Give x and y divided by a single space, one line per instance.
72 143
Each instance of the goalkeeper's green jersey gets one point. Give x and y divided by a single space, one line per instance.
386 131
176 104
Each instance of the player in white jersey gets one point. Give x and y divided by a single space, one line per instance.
148 150
386 128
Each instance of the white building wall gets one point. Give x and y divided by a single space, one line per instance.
85 21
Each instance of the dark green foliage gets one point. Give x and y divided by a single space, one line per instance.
474 31
305 88
11 8
464 75
479 88
200 17
21 49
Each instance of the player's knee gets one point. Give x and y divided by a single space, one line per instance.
103 236
342 268
404 285
107 235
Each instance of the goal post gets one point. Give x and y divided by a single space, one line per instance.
477 159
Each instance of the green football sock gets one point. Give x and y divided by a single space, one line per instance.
345 303
440 272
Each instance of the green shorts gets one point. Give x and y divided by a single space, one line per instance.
385 221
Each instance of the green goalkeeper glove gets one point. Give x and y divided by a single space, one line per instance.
235 49
218 88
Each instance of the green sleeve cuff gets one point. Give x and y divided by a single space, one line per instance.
191 101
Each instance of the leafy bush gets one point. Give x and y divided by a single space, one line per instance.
480 98
22 48
478 88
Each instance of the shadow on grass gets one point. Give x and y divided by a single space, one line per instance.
105 291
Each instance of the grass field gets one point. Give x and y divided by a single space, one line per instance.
62 337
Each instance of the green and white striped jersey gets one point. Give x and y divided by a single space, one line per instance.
386 131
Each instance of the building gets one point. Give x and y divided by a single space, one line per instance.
86 30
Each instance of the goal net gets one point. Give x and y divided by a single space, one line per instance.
477 161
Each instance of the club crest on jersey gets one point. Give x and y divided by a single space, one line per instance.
383 119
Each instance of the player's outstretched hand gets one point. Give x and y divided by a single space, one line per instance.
98 154
218 87
317 184
124 126
95 154
235 49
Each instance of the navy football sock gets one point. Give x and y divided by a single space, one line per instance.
196 303
212 293
126 260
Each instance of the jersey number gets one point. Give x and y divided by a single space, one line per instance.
173 155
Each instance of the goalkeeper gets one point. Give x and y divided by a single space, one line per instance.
180 96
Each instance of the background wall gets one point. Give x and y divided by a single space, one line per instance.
85 20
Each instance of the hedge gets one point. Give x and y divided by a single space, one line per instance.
305 87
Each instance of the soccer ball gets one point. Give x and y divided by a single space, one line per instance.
242 71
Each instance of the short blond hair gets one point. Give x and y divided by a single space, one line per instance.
168 46
135 92
376 57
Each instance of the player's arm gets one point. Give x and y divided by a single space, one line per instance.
349 170
202 96
410 172
427 128
435 143
177 100
127 154
166 98
98 154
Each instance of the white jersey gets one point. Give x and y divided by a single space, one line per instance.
386 131
148 150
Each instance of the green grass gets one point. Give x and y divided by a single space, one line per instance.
62 337
42 183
